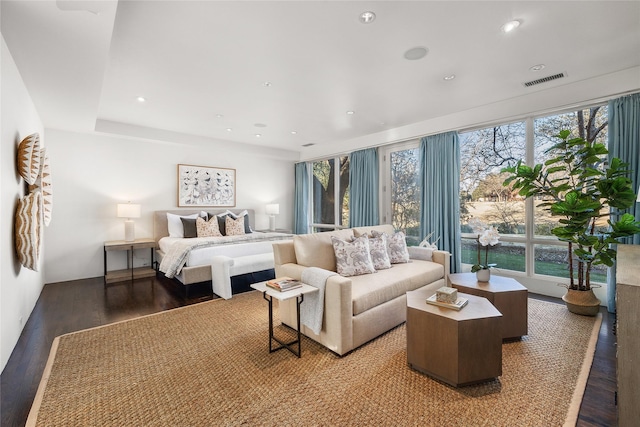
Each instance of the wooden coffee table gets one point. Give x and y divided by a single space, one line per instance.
505 293
457 347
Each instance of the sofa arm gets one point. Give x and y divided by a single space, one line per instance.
444 258
284 253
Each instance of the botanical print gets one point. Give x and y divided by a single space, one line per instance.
206 186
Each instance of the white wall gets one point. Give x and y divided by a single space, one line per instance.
92 173
19 287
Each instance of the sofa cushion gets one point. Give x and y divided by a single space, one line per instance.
352 257
396 246
379 253
316 250
371 290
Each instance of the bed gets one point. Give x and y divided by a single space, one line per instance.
189 260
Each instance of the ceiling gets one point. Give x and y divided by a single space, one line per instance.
232 70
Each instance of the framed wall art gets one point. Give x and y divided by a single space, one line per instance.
206 186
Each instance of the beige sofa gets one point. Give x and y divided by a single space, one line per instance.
360 308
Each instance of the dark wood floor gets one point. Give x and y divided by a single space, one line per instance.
72 306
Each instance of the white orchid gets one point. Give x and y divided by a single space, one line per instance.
487 236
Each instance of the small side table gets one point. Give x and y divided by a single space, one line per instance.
269 294
505 293
130 273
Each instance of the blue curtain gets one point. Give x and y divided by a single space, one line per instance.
440 193
363 188
301 199
624 143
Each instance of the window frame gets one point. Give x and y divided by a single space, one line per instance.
529 239
315 227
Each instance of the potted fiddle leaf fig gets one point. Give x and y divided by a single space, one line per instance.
577 185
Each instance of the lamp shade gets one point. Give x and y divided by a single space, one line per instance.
272 209
128 210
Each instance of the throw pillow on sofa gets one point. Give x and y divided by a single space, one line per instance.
352 258
396 246
379 253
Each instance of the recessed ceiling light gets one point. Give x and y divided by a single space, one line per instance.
267 84
351 113
537 67
449 77
219 116
258 135
293 132
260 125
141 99
229 129
367 17
416 53
510 26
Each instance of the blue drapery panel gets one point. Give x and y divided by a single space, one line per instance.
363 188
440 193
624 143
301 199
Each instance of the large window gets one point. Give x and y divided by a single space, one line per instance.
527 242
330 179
405 193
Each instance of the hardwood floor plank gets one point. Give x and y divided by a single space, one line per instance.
81 304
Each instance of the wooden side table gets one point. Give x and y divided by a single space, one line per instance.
129 273
457 347
505 293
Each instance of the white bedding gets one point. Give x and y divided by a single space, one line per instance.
180 252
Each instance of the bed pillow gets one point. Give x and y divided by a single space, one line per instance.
234 227
222 220
352 258
396 246
189 227
207 228
174 224
379 253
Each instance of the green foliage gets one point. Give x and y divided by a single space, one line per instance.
577 186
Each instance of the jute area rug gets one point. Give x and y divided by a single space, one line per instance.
209 365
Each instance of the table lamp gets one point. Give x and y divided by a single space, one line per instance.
128 210
272 210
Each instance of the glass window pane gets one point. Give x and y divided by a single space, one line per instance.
323 192
344 191
552 260
405 194
590 124
483 154
506 255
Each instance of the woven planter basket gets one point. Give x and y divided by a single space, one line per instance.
584 303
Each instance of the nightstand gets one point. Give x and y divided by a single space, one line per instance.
130 273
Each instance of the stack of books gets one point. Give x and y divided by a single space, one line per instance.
283 284
460 302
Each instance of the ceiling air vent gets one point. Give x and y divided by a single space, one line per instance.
308 145
544 79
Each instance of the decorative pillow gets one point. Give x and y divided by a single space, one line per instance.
27 230
234 227
29 158
222 220
189 227
396 246
352 258
378 251
207 228
174 224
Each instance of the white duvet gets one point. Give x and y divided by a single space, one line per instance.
179 252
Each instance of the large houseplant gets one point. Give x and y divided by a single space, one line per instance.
577 185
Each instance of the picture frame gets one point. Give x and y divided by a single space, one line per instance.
206 186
